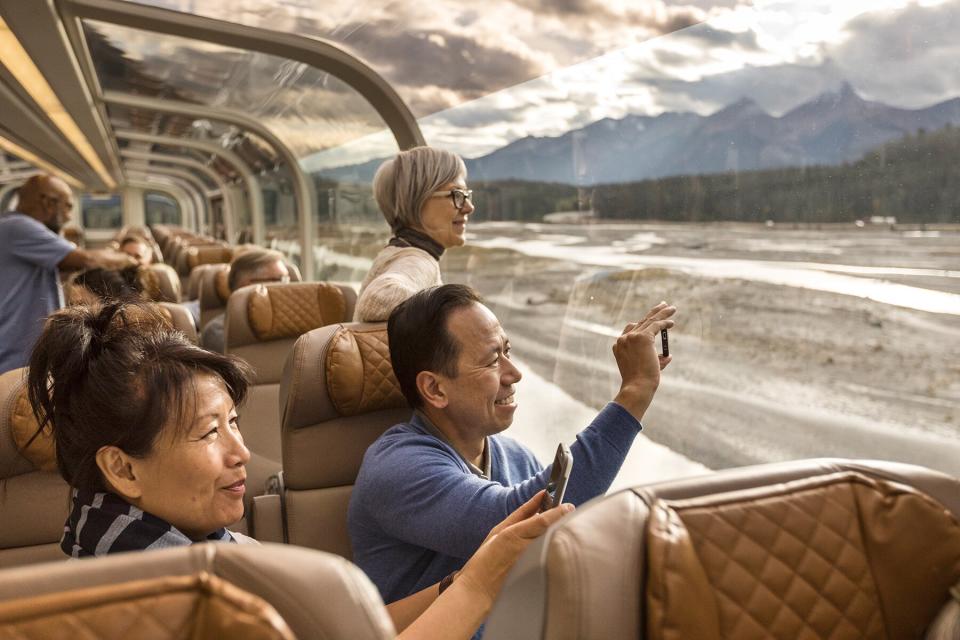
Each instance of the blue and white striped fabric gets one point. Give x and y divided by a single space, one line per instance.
103 523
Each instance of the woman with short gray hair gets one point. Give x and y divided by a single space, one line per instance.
423 195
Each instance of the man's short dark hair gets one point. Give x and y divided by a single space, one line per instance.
419 339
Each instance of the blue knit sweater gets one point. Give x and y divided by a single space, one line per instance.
417 512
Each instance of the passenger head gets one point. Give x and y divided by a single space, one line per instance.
108 284
425 189
138 248
138 410
48 199
257 266
451 358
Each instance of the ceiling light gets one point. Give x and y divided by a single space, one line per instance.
21 66
15 149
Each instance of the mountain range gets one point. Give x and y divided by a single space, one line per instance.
831 129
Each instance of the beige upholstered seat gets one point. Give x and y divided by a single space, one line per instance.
338 394
204 591
161 283
809 549
262 323
213 288
192 255
181 319
197 275
34 499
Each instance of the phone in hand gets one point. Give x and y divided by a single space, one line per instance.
559 476
664 343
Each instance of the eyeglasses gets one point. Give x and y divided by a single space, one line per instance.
459 197
60 202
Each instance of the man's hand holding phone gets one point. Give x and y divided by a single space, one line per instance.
559 476
638 360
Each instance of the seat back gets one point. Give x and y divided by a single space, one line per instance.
261 325
196 592
213 291
813 549
181 319
213 288
338 395
192 256
161 283
34 499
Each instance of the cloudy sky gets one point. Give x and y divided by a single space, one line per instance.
479 75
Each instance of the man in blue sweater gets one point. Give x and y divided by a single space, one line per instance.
431 489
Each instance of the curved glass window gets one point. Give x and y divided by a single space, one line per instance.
159 208
784 172
102 212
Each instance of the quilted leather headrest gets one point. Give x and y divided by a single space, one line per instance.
221 284
168 607
208 255
290 310
19 419
360 377
161 283
841 555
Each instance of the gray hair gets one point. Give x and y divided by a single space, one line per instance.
249 262
404 183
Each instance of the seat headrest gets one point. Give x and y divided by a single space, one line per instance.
360 378
221 284
208 255
180 319
276 311
319 595
592 573
195 606
17 426
873 558
161 283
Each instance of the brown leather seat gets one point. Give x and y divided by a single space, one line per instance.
213 288
262 323
808 549
198 592
34 499
181 319
338 394
161 283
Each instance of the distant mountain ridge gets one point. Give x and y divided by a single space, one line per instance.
833 128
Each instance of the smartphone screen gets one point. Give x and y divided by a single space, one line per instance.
559 476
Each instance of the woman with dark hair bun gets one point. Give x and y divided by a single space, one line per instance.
145 429
145 426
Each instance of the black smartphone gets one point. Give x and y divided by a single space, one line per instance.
664 343
559 476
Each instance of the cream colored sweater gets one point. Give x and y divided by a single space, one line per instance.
396 274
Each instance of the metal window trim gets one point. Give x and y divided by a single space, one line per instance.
254 194
188 214
196 188
302 186
230 206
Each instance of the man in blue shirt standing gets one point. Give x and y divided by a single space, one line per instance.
31 251
430 490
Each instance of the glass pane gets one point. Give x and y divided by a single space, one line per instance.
443 54
159 208
102 212
306 108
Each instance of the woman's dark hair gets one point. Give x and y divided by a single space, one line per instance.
106 284
419 339
117 374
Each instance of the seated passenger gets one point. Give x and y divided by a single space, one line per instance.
31 251
166 467
101 285
423 195
253 266
430 490
138 249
